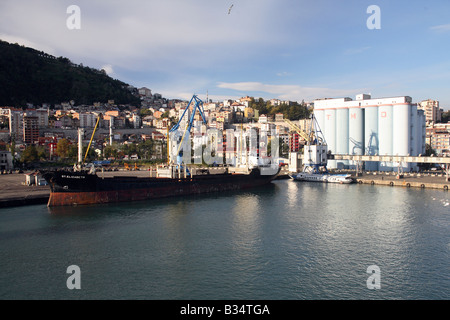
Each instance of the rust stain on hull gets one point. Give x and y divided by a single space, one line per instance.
99 197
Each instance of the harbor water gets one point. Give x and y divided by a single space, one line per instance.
285 241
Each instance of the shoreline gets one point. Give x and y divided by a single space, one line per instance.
14 192
407 180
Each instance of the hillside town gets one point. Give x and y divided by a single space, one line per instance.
49 134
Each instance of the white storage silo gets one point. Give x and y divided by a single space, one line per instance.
401 130
385 135
329 131
342 129
413 138
355 133
421 115
371 138
414 142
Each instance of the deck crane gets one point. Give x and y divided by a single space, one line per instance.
81 161
197 104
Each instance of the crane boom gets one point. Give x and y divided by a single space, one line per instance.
197 106
92 138
295 128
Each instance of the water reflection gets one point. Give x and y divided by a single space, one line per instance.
246 221
289 240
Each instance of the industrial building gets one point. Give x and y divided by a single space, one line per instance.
366 126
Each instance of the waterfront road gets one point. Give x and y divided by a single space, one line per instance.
14 191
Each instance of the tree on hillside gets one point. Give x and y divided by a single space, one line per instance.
445 117
62 148
30 154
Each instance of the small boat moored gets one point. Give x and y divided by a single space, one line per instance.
323 177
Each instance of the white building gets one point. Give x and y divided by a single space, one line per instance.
42 115
386 126
432 111
87 120
145 92
16 125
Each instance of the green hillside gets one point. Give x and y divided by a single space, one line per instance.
31 76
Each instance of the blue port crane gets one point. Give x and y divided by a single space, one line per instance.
315 152
197 104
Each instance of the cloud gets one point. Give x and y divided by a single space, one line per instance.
352 51
283 74
170 34
27 43
291 92
108 69
441 28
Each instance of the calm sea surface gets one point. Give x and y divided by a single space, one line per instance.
289 240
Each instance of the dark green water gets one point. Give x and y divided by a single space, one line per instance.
287 241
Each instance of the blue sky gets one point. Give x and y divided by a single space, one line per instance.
286 49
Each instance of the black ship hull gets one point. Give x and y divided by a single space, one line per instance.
82 188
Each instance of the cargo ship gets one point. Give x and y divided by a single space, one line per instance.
83 187
70 188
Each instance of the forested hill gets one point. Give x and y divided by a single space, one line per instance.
31 76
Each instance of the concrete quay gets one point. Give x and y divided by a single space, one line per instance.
14 192
407 180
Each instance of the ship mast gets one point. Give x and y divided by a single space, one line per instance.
80 145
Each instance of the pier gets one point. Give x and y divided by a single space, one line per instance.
360 159
408 180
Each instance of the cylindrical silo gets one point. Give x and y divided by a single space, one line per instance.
413 132
385 135
371 137
413 149
355 133
422 133
401 129
342 125
329 132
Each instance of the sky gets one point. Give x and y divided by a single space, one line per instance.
226 49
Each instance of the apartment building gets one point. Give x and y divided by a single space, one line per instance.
431 109
30 129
